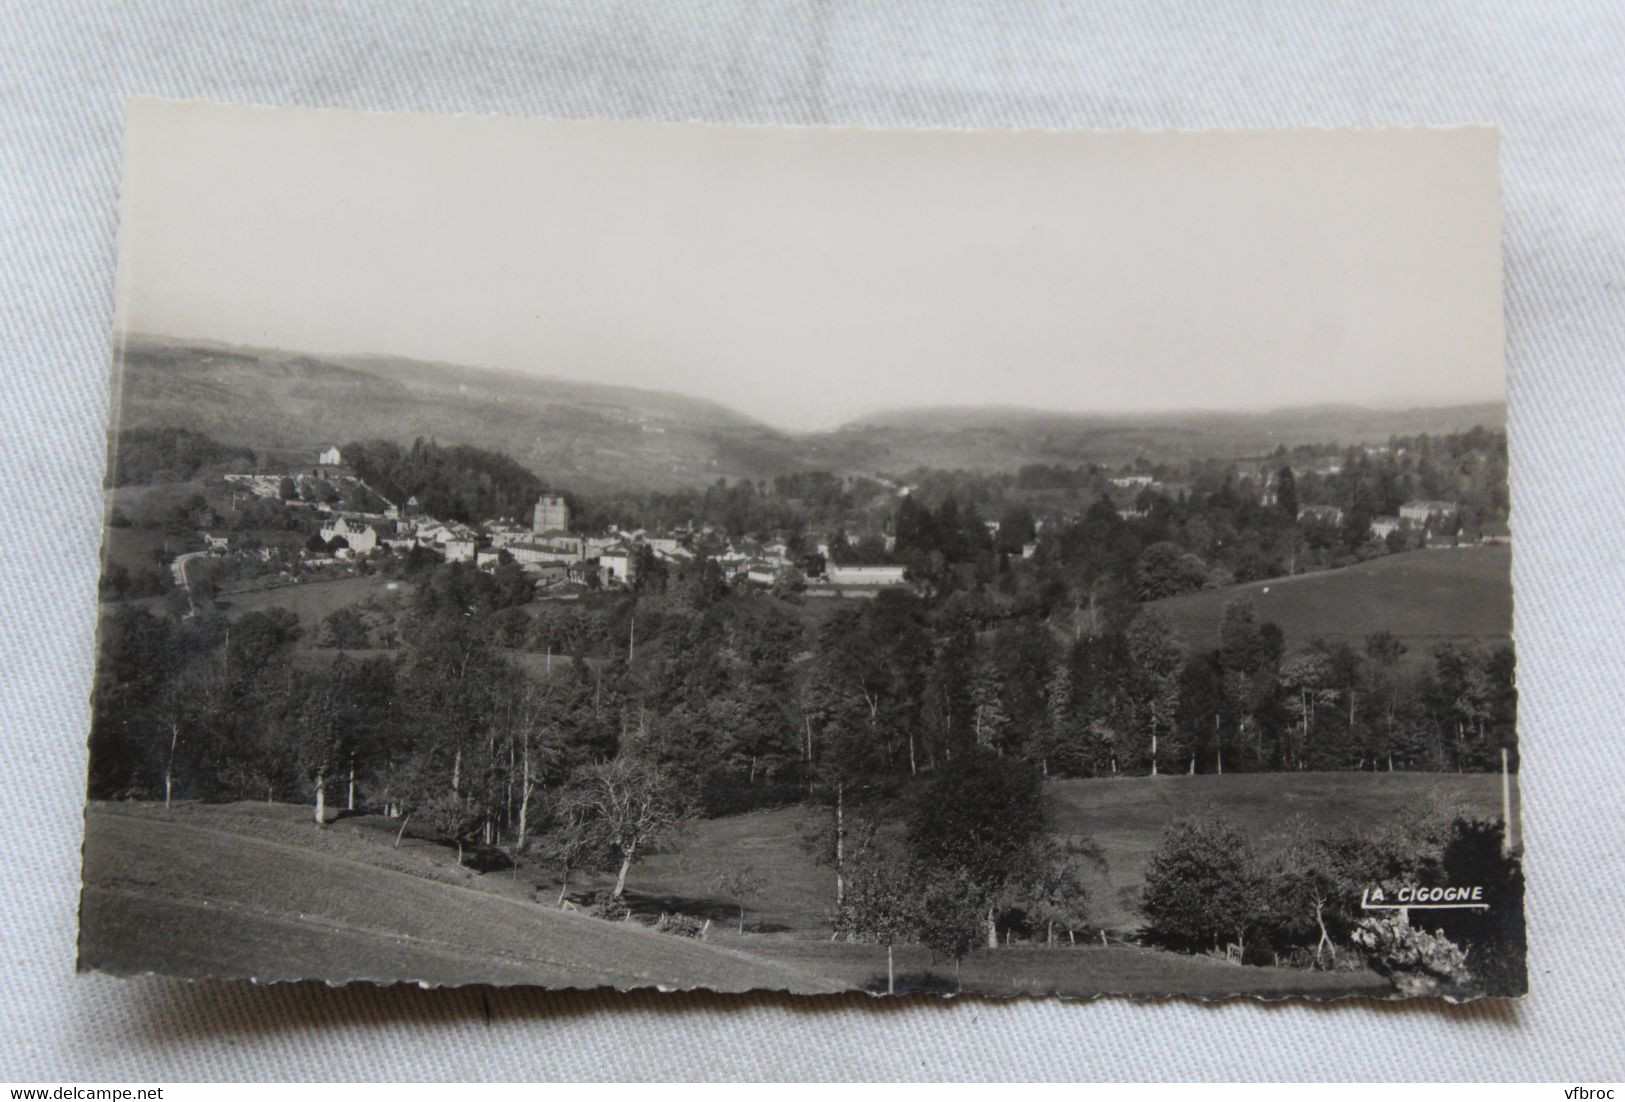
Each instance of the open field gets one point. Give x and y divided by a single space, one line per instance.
1424 597
313 601
179 893
1087 968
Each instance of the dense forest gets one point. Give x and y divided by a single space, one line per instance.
450 482
147 455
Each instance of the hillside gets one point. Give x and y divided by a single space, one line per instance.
1004 439
581 435
1425 597
595 437
253 890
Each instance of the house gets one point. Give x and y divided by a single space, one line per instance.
548 571
1132 481
552 514
361 538
1320 514
870 574
667 547
1420 512
458 550
1028 550
332 457
538 552
1383 527
217 542
616 565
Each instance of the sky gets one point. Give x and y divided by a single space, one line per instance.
808 276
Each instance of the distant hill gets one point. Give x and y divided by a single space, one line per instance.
1008 438
581 435
595 437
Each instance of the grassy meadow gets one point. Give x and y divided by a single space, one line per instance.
1461 594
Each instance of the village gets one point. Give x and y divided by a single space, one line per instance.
563 562
354 524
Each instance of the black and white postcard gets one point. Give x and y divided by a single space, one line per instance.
590 554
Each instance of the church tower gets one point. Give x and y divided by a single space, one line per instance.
552 514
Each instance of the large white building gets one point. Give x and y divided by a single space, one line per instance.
1419 512
858 574
362 538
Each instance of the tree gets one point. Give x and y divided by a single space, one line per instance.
740 884
1202 886
1057 729
990 718
1286 493
950 916
1055 894
978 821
1167 570
1157 660
1306 681
635 808
451 818
878 906
343 628
573 840
1314 881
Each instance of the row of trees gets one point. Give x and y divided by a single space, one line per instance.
707 683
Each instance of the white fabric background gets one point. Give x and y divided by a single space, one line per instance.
1553 76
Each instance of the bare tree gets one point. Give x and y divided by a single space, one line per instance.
634 806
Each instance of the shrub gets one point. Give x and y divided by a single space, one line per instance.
680 925
1202 887
1419 963
1259 952
603 904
